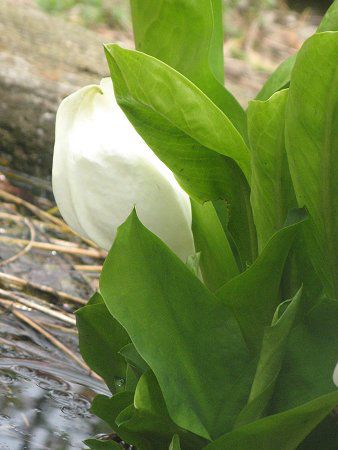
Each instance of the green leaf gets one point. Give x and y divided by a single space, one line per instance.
188 36
95 444
254 294
330 20
310 358
189 134
179 328
280 78
272 193
312 142
175 443
198 132
132 357
100 338
95 299
148 418
284 431
110 409
270 361
217 261
132 377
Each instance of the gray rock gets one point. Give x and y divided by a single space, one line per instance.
42 60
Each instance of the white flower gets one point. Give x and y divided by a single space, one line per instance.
335 375
102 169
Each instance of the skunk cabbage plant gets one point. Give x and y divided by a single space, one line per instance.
102 168
244 356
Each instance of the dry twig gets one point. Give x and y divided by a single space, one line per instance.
7 280
34 305
90 252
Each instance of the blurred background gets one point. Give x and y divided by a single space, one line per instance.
48 49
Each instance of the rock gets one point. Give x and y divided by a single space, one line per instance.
42 60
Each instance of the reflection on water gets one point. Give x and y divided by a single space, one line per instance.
43 411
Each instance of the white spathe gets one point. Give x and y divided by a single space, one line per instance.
102 169
335 375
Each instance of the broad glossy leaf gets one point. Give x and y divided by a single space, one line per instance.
270 361
149 419
189 134
272 193
163 104
101 337
254 294
179 328
188 36
217 261
284 431
310 358
312 142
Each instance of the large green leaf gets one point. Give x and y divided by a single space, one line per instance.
281 76
189 134
148 418
163 104
254 294
187 336
284 431
272 193
310 358
101 337
188 36
270 361
217 261
312 143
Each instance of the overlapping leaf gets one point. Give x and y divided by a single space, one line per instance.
310 358
312 143
270 361
180 329
188 36
101 335
189 134
284 431
254 294
272 193
217 261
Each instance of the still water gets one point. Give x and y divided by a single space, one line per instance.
43 411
